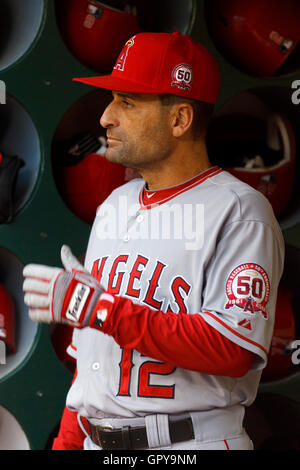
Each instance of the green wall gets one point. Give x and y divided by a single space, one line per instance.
41 82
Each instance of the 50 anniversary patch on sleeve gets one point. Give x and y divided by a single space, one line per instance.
248 288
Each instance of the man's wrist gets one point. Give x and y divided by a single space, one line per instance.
102 311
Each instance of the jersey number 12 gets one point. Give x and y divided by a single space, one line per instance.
144 388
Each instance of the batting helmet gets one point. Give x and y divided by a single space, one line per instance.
95 32
7 319
85 178
260 37
279 357
259 151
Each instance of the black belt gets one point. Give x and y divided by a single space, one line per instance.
127 438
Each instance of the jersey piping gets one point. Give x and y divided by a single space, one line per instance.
236 333
164 195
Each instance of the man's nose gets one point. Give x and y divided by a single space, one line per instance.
108 118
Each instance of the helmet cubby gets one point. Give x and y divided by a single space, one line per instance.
84 181
19 140
272 422
258 38
20 331
95 31
19 20
283 368
12 435
255 136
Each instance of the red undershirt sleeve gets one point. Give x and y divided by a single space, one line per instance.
183 340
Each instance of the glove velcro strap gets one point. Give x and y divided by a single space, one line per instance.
74 298
59 297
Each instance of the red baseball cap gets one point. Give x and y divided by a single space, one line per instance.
163 63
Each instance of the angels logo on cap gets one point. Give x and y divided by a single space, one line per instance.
248 288
120 64
182 76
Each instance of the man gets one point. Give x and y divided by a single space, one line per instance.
174 309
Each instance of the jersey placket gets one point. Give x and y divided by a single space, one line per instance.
133 221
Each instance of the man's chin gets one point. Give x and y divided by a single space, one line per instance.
113 157
116 157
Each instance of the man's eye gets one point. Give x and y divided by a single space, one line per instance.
126 103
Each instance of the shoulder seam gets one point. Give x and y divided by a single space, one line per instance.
254 221
230 190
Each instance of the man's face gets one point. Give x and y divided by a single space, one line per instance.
138 130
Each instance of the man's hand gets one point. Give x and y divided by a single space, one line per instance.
58 295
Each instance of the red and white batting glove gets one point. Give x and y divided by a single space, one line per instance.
69 295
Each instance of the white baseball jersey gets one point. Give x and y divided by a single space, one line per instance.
210 247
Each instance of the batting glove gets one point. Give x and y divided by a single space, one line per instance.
58 295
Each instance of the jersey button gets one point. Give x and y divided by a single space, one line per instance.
126 238
140 218
95 365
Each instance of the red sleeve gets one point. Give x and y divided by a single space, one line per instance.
182 340
70 435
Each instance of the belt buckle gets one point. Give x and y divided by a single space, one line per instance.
106 427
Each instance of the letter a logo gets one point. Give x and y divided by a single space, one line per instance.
120 64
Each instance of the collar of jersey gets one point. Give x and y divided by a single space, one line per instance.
148 199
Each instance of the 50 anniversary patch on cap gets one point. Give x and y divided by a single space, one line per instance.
182 76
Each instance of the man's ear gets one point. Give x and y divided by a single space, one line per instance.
182 116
